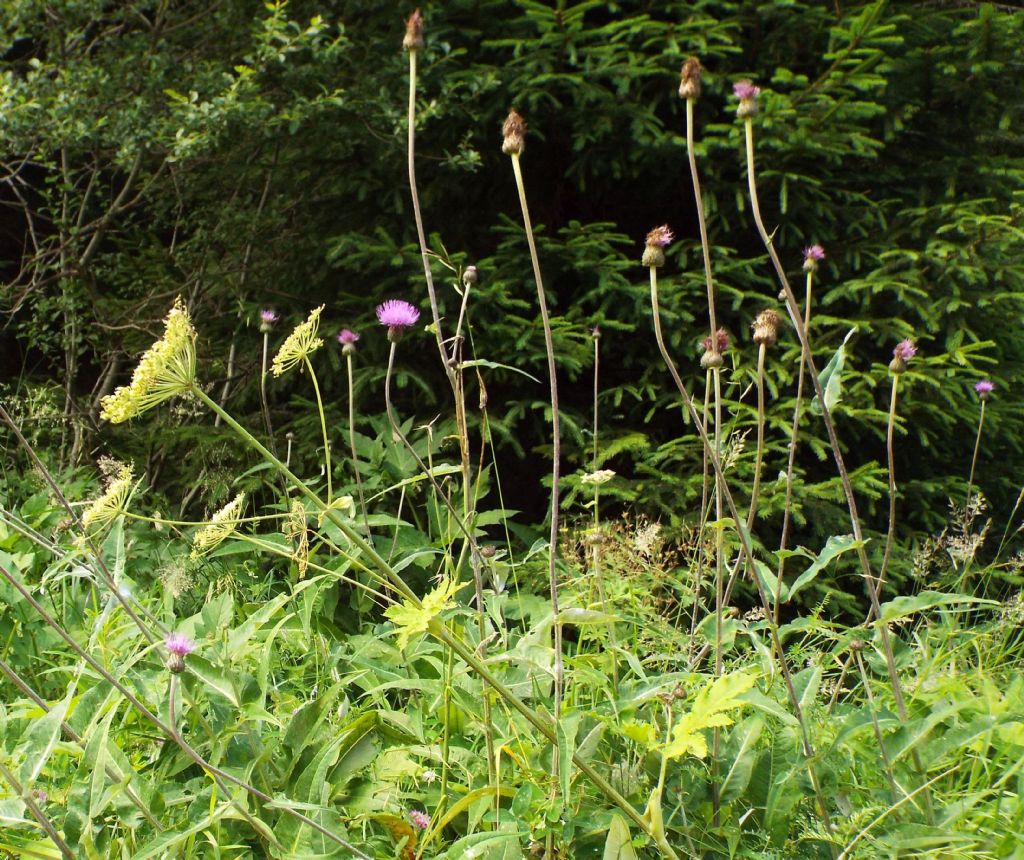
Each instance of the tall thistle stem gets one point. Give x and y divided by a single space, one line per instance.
977 448
747 549
755 492
556 450
794 313
352 440
794 432
890 459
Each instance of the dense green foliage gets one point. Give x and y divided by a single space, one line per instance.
376 643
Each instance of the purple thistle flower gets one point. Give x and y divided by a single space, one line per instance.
347 337
660 236
904 350
396 313
745 90
179 644
267 319
419 819
721 342
814 252
984 388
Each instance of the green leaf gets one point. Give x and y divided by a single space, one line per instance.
709 711
618 845
831 379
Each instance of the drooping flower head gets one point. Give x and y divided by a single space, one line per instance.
299 345
813 254
654 247
178 647
347 338
901 354
689 79
413 40
397 315
514 134
267 320
747 93
221 525
419 819
167 369
984 388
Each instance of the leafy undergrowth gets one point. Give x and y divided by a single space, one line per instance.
293 692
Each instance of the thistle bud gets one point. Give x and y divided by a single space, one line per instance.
413 40
514 131
812 256
766 327
469 277
904 351
713 349
747 93
689 79
657 241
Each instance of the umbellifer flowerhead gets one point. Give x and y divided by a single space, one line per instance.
689 79
167 369
901 354
713 349
747 93
221 525
766 327
419 819
984 388
178 647
413 40
397 315
813 255
514 132
347 338
267 320
654 250
299 345
118 481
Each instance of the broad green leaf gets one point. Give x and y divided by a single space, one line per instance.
40 739
902 606
741 745
618 845
834 547
709 710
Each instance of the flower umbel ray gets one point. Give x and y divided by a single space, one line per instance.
299 345
220 526
167 369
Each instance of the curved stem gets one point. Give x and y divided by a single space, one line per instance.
747 550
977 447
755 492
41 819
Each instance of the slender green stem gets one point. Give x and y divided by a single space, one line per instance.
977 447
887 763
263 389
794 437
352 442
556 452
755 492
716 739
323 427
891 532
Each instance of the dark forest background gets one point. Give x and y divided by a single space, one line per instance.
248 155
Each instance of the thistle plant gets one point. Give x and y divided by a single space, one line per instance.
983 389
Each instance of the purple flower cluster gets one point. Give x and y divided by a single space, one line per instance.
904 350
396 313
814 252
179 644
419 819
745 90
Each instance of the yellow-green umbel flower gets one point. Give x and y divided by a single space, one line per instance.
299 345
221 525
167 369
118 487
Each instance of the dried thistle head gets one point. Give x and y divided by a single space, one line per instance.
413 40
167 369
689 79
221 525
514 132
299 345
654 246
766 327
